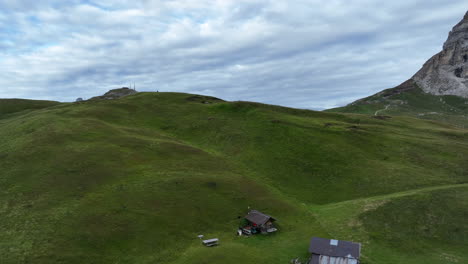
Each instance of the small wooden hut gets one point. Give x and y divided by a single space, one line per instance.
257 222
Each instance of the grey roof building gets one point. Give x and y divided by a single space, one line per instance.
331 251
258 218
257 222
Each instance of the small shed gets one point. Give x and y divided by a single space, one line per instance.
257 222
327 251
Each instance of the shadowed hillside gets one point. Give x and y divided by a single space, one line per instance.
135 180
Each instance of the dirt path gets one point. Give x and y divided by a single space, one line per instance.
377 112
398 194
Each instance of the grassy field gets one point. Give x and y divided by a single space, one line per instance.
135 180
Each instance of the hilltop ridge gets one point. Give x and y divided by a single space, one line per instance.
115 94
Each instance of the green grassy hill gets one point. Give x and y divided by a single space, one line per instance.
135 180
409 100
11 106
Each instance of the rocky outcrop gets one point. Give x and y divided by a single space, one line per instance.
447 72
115 94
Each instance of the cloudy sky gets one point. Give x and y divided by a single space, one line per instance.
301 53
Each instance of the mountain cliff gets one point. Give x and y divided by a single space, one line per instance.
446 73
438 91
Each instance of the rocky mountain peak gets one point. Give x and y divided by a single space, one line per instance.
447 72
459 34
115 94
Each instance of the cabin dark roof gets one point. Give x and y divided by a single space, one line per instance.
257 217
334 248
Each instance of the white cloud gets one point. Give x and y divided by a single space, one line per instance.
309 54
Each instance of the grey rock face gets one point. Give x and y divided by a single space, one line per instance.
447 72
115 94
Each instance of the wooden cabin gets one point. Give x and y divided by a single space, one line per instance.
326 251
257 222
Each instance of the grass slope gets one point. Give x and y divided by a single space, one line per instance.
135 180
409 100
11 106
426 225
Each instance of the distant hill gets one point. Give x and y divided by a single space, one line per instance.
410 100
137 179
10 106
